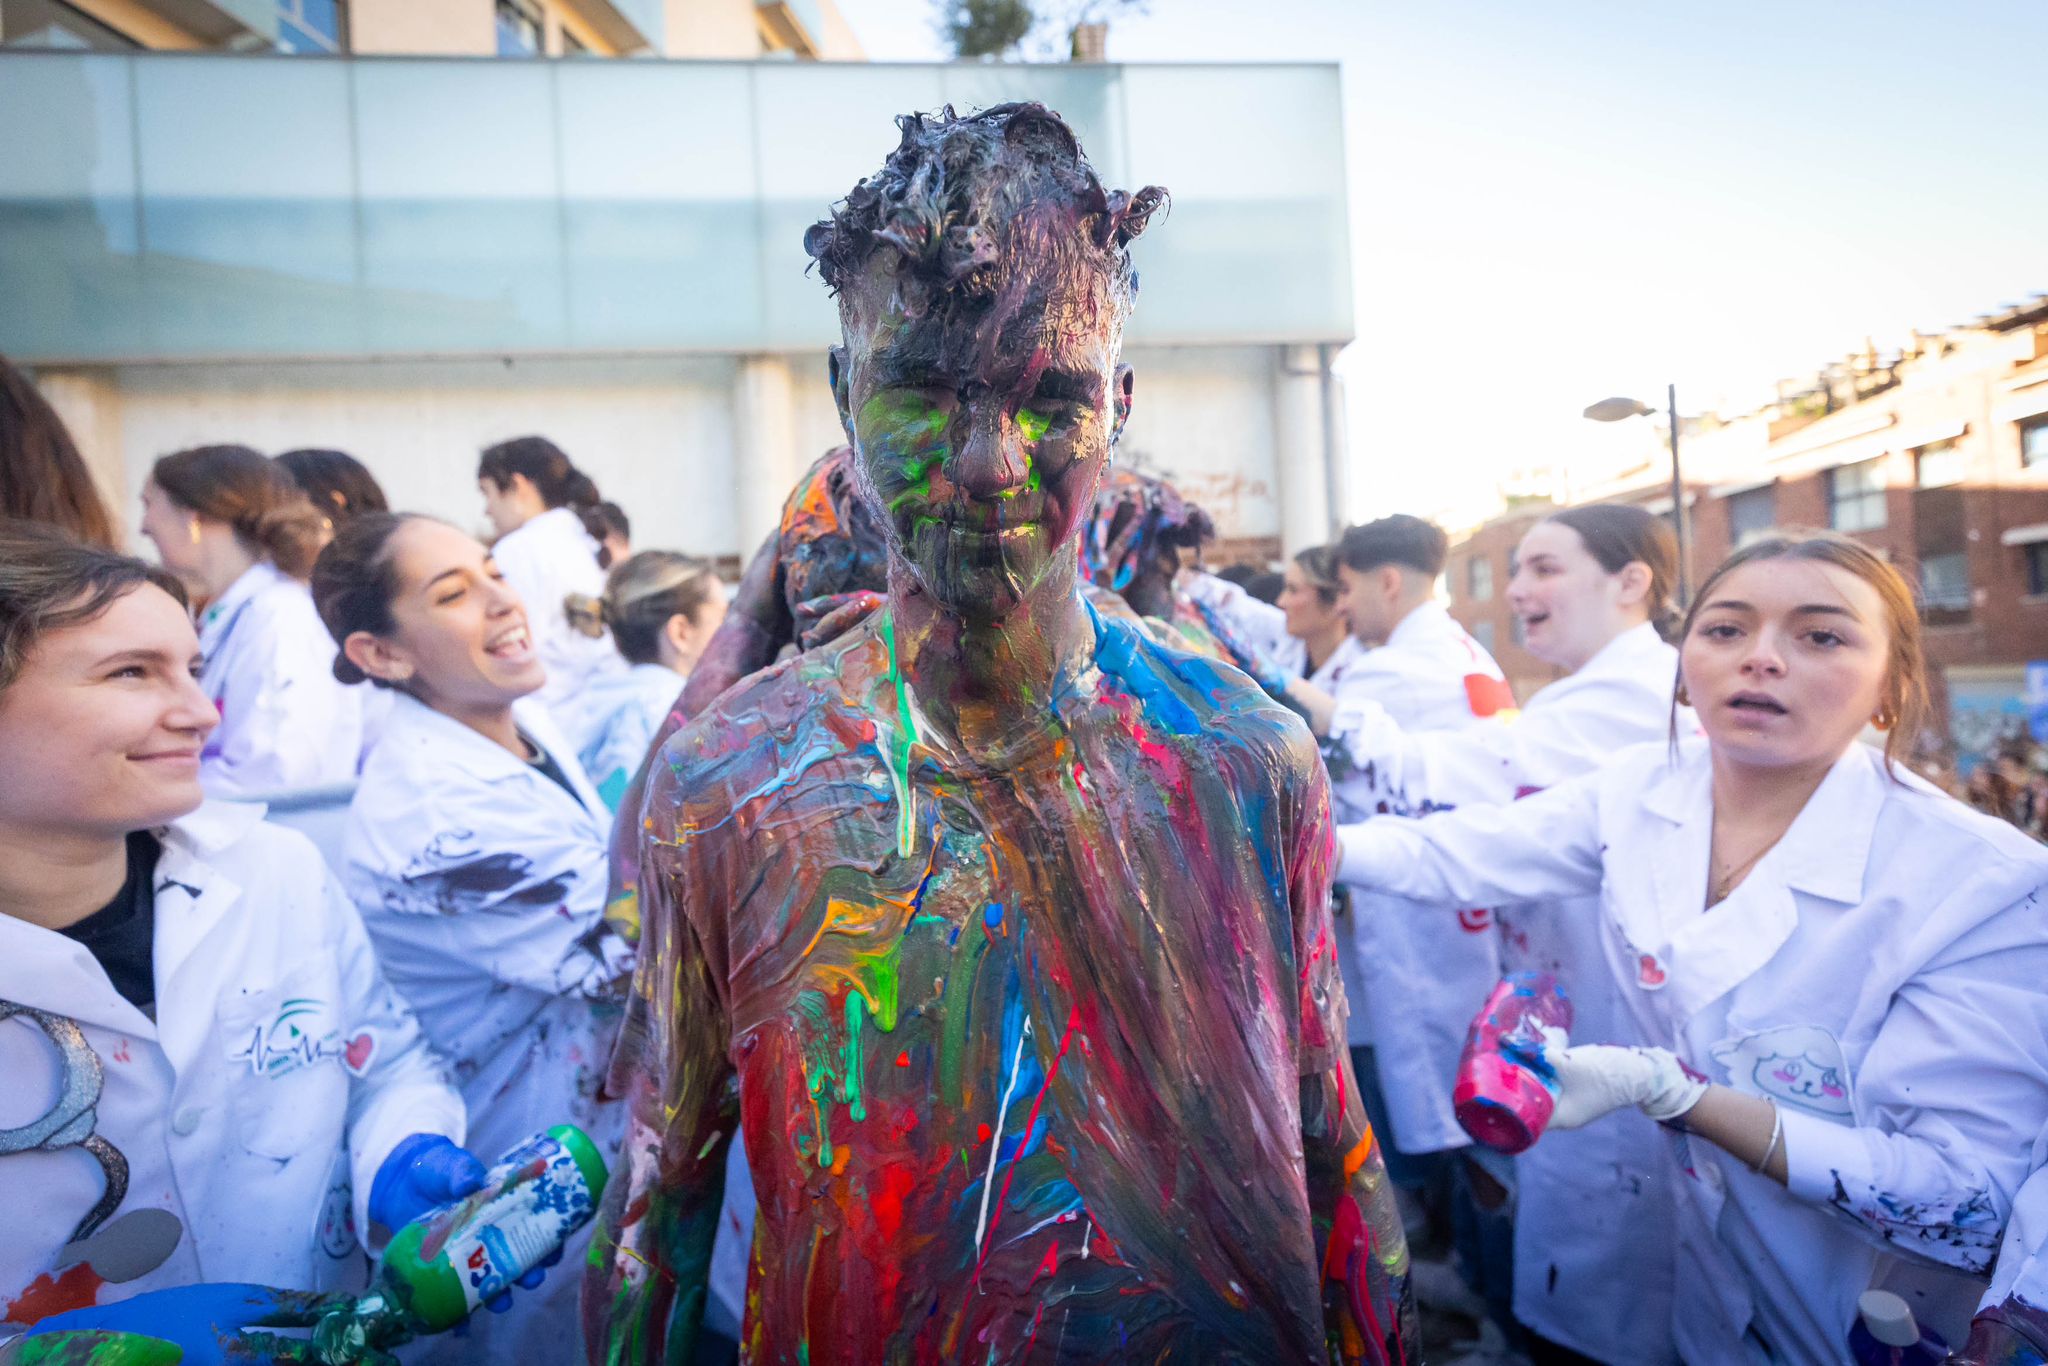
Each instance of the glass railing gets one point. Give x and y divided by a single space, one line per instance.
184 206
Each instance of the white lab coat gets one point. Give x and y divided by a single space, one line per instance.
286 722
545 560
1877 975
1264 626
1413 980
615 721
246 1120
2022 1270
1592 1208
482 883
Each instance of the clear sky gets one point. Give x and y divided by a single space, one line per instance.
1553 203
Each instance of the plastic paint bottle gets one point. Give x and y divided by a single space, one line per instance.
1885 1334
1505 1091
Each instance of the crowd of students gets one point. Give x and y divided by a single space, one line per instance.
1809 1054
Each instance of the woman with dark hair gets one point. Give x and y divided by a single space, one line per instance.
1831 970
545 513
42 478
335 482
476 853
207 1078
242 535
1302 635
662 610
1591 586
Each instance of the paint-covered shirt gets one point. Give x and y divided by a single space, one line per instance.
1016 1038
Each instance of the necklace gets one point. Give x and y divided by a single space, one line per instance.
1733 874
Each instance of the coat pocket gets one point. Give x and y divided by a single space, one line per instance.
289 1056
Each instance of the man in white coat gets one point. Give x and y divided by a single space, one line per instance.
206 1072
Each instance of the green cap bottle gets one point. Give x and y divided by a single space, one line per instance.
439 1268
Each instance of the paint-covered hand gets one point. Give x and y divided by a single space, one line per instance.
424 1172
1595 1079
211 1324
822 620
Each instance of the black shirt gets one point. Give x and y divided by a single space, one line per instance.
544 763
122 933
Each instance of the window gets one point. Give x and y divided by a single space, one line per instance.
519 28
1479 578
2037 569
1482 631
2034 441
54 24
1856 496
1945 582
1940 465
316 26
1752 513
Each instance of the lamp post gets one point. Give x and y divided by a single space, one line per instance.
1614 410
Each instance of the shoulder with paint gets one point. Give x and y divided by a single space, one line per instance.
778 707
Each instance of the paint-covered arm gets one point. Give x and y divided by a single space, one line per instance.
1369 1314
650 1260
757 625
400 1085
1949 1095
1545 847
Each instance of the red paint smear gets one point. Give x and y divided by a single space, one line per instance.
1010 1172
896 1181
903 1058
1048 1265
77 1287
981 1133
1345 1261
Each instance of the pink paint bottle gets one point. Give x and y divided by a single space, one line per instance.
1504 1093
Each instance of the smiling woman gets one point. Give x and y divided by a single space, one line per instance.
476 852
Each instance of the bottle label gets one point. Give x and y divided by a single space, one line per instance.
536 1199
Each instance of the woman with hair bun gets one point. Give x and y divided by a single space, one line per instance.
242 536
549 529
662 609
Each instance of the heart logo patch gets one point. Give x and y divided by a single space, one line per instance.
1650 974
359 1052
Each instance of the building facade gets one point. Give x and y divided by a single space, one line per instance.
409 258
1937 458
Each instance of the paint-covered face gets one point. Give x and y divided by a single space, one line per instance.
101 730
461 639
1308 616
980 433
1786 661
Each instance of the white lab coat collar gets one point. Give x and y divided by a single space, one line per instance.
1823 853
1426 620
483 758
247 585
45 970
1628 654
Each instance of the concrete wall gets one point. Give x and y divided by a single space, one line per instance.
415 29
661 435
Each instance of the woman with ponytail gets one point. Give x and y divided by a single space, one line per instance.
1592 589
661 609
242 536
545 513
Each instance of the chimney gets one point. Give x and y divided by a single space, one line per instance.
1091 41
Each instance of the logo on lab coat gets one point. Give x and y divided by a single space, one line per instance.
301 1034
1799 1065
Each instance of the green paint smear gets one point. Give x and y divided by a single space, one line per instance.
1033 424
856 1011
899 745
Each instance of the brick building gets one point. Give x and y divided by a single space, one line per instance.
1937 457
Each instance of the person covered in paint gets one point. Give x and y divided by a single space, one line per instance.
1001 925
208 1079
240 533
1304 634
1141 533
1838 968
661 609
2011 1326
476 854
549 534
1592 589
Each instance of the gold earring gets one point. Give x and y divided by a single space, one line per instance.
192 530
1683 699
1882 720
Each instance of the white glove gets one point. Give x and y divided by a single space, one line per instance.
1595 1079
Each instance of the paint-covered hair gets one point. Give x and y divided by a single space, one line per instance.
1139 523
50 581
963 195
1906 704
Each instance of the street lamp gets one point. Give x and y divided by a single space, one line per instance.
1614 410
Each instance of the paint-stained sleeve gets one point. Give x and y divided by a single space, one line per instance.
1949 1097
649 1266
